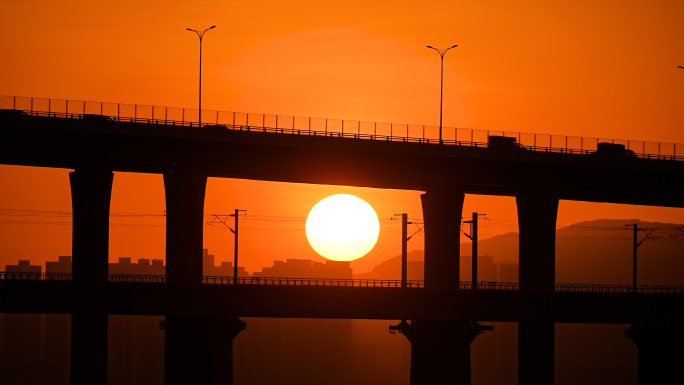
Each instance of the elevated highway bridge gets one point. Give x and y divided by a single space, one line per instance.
96 139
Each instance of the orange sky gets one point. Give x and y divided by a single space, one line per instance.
606 69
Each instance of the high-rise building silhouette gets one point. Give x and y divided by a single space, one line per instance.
62 266
305 268
24 266
143 267
225 269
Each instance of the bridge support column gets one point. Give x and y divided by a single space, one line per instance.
660 353
198 349
537 212
440 350
91 191
442 209
184 191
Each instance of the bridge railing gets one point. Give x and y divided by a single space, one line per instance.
136 278
393 283
8 275
278 281
466 285
589 288
25 276
189 117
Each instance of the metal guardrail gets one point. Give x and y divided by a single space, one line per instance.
390 283
277 281
9 275
408 133
136 278
27 276
466 285
618 288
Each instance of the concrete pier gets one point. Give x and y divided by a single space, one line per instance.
91 191
537 212
660 352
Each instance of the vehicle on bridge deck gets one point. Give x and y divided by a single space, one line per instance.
95 117
608 148
11 113
498 141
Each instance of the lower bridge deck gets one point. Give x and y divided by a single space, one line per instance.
345 282
339 298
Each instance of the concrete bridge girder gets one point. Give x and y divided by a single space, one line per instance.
151 148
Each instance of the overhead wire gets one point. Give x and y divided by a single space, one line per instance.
52 217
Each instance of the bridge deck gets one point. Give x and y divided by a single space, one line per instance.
291 298
273 150
344 282
411 133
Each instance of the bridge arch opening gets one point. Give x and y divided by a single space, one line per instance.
137 230
273 226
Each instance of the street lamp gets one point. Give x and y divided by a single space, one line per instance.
200 34
441 84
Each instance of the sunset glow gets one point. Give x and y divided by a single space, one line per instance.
519 67
342 227
179 207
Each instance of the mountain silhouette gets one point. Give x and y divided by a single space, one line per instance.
590 252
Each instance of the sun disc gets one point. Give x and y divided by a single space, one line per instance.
342 227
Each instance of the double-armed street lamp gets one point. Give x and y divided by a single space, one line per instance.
441 84
200 34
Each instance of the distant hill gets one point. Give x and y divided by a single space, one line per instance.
391 268
598 252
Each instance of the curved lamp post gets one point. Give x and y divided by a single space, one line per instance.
200 34
441 84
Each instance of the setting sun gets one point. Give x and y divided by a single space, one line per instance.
342 227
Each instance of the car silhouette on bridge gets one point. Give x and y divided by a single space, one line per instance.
608 148
498 142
